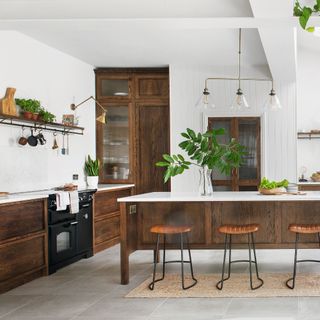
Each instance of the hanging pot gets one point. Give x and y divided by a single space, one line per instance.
32 140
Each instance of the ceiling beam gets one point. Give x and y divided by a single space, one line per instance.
279 43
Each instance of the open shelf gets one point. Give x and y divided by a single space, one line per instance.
309 135
40 125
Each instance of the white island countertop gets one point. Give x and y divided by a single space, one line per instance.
219 196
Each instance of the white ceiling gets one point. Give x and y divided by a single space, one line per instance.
127 33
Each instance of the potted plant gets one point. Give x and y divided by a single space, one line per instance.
46 116
205 152
91 168
30 108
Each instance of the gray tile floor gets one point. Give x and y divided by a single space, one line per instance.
90 290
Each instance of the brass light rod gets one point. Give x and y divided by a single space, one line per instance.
74 107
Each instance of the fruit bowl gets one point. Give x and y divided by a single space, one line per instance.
273 191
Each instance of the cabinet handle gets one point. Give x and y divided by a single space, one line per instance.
75 222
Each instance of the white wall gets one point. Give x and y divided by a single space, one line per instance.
278 127
56 79
308 106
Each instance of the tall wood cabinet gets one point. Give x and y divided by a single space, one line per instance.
137 132
247 131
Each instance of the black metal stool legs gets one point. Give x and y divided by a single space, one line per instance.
293 279
183 262
154 280
227 244
255 262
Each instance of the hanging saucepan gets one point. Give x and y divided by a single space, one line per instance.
32 140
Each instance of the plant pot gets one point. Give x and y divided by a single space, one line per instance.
28 115
92 182
35 116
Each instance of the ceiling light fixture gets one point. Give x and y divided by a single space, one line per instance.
239 102
102 118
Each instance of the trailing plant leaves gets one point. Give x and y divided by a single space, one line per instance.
168 158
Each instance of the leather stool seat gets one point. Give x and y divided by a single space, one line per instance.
168 229
238 229
304 228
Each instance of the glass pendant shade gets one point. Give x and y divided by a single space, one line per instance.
273 101
240 102
205 101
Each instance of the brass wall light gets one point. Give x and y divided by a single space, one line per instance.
102 118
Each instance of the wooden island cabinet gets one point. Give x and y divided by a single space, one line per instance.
23 242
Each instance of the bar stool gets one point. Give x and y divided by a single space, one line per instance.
164 230
301 229
230 230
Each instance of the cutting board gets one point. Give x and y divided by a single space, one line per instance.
8 104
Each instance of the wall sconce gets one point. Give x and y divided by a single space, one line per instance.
102 118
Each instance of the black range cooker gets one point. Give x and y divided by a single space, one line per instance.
70 235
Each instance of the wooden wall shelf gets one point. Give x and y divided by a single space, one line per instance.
39 125
309 135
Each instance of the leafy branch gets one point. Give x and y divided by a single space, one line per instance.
304 13
203 150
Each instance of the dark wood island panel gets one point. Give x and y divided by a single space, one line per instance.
205 217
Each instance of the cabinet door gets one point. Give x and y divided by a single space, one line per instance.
152 87
221 181
247 131
113 87
152 142
249 136
114 144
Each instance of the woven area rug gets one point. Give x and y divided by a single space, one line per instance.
307 285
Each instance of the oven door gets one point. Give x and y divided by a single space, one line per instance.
62 244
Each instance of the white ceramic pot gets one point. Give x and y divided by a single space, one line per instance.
92 182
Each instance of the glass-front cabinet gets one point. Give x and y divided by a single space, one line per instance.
116 135
247 132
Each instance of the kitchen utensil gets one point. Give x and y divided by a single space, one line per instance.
67 150
4 194
41 138
22 140
55 143
32 140
63 150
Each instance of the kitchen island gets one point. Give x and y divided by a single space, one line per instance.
205 214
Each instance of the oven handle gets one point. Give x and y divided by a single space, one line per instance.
67 225
85 205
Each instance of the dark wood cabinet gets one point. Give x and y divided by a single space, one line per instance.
137 132
23 242
106 218
247 131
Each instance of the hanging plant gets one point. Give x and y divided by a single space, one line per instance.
304 13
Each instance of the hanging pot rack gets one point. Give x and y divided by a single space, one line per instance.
40 125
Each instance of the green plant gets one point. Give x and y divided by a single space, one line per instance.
91 167
204 150
46 115
266 184
304 13
29 105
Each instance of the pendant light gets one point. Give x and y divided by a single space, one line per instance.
205 101
273 101
239 102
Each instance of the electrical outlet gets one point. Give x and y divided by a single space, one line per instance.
75 176
133 209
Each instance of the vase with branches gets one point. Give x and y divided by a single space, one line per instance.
205 152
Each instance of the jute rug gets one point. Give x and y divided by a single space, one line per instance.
307 285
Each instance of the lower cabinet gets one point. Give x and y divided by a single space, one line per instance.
106 222
23 242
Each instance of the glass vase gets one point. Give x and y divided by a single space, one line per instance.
205 185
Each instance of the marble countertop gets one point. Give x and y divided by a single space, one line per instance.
219 196
42 194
